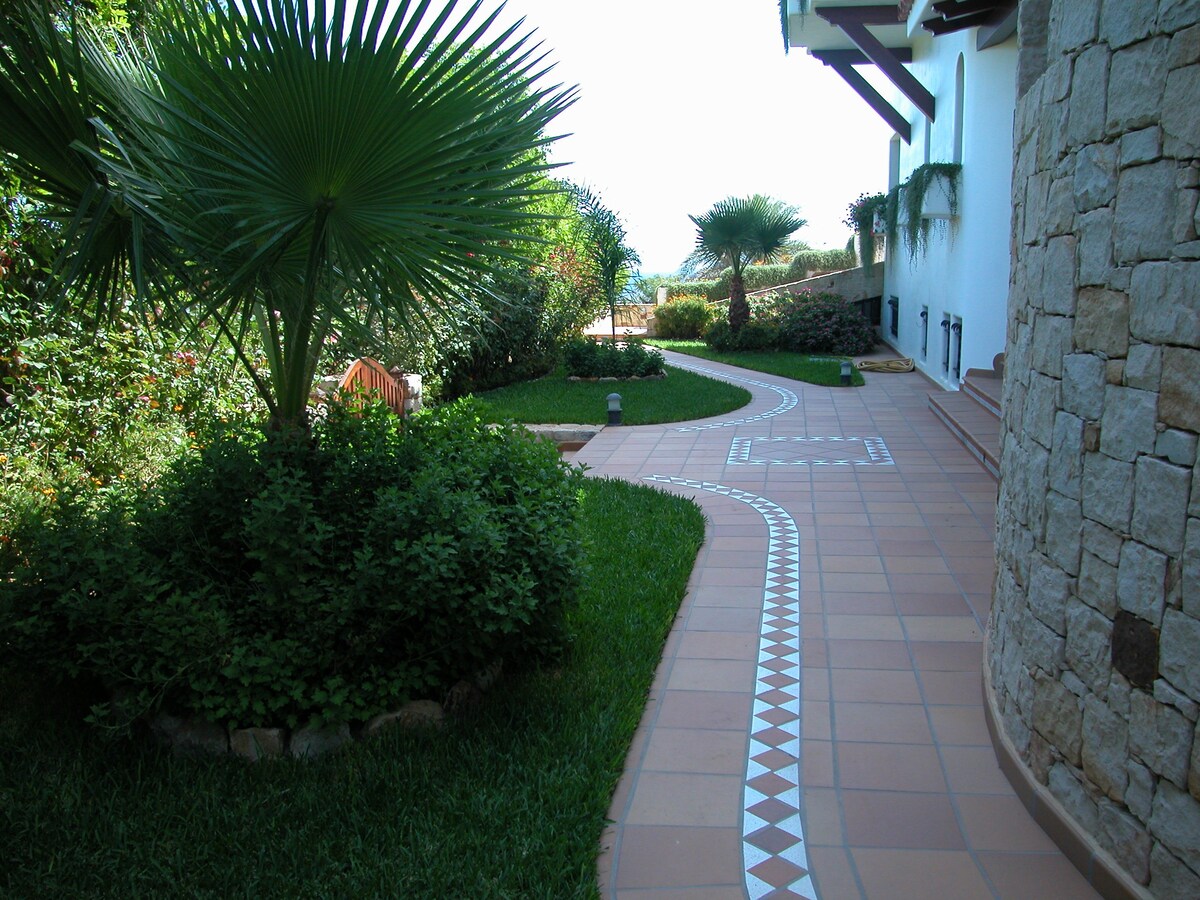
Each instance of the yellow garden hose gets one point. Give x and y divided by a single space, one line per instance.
886 365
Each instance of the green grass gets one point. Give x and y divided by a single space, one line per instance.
680 397
824 370
508 802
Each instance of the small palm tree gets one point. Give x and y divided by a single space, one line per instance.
613 261
300 168
736 232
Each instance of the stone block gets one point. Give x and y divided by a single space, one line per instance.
1088 650
1058 276
1175 446
1126 839
1095 246
1145 199
1143 367
1107 491
1141 582
1052 135
1161 738
1127 427
1175 820
1066 455
1083 385
1095 182
1059 217
1169 877
1037 189
311 742
1041 404
1184 232
1049 592
1074 797
1102 322
1190 574
1143 146
1166 694
1041 646
1089 101
1114 372
1180 124
1139 796
1064 526
1073 25
1057 717
1174 15
1051 342
1165 303
1160 499
1103 542
1123 23
1179 394
1097 585
1185 48
1136 80
1178 652
257 743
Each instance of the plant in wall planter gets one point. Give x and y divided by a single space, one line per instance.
929 198
865 217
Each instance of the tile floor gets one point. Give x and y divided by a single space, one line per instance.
816 725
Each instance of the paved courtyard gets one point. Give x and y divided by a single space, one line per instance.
816 726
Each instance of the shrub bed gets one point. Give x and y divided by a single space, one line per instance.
802 323
272 581
607 359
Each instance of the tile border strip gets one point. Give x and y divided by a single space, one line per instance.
790 399
773 847
877 452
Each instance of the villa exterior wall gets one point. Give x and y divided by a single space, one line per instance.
964 273
1094 638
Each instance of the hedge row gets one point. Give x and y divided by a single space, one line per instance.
757 278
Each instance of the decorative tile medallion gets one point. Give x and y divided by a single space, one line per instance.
789 399
809 451
774 858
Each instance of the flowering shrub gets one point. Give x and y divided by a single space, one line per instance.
823 323
265 581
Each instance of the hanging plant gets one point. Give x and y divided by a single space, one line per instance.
860 218
904 207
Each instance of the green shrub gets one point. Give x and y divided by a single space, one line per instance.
268 581
584 358
823 323
818 261
683 318
754 335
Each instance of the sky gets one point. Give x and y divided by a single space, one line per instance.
684 103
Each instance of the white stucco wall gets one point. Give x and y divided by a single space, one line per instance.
965 272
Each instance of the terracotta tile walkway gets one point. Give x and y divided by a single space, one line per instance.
816 725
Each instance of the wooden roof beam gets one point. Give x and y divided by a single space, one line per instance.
873 98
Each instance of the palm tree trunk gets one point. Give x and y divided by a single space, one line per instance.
739 309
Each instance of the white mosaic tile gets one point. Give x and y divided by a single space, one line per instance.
788 398
809 451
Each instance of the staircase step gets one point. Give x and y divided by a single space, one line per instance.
986 386
973 423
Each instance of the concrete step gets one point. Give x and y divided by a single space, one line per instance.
986 387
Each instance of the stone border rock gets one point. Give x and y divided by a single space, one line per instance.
197 737
606 378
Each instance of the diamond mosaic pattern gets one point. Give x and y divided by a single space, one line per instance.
773 850
789 399
809 451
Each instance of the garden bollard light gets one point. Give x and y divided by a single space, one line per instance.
614 409
845 371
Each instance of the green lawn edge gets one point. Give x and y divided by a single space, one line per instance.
824 370
680 397
509 801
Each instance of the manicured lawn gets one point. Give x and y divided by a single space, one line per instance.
680 397
509 801
824 370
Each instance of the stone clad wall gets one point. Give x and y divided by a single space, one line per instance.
1094 641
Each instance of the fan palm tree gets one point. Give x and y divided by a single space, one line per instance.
303 168
739 230
613 260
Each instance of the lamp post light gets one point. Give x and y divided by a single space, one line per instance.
846 372
614 409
